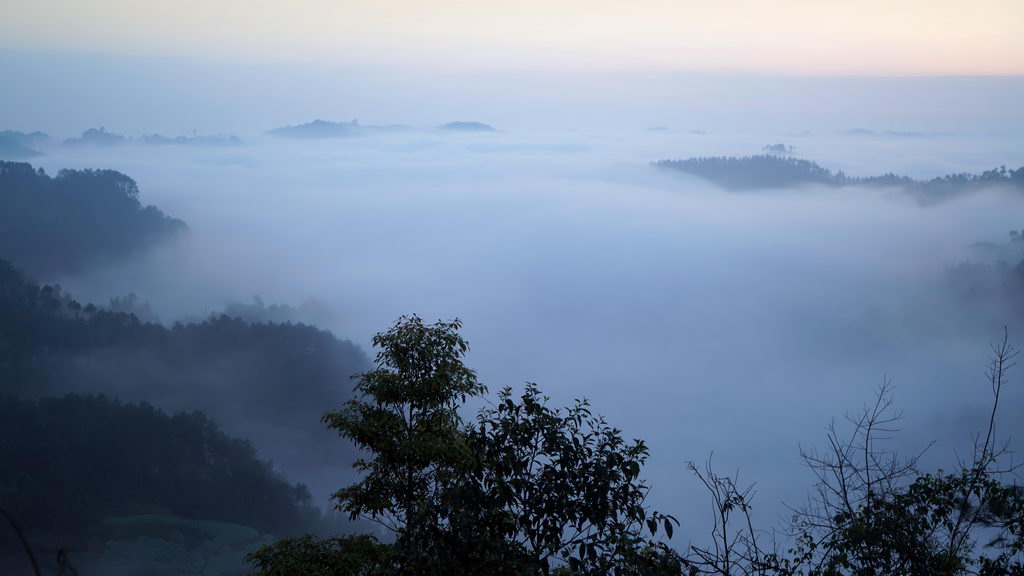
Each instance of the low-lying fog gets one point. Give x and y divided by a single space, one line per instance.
700 320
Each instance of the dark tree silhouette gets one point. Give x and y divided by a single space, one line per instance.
68 463
526 488
77 219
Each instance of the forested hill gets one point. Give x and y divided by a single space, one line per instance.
990 286
773 171
324 129
264 381
53 225
16 145
80 460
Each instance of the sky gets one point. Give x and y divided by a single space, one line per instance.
66 93
245 66
806 37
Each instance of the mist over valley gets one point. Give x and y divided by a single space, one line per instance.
287 315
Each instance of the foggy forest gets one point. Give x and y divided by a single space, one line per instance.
333 289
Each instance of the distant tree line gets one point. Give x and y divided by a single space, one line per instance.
318 129
274 374
101 137
45 334
96 137
779 149
775 170
212 140
16 145
997 279
52 225
260 379
323 129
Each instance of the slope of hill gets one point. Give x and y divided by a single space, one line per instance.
63 224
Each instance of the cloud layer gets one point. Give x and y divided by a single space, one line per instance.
700 320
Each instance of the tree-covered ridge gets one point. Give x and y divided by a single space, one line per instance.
995 277
52 225
322 129
464 126
260 380
68 463
101 137
194 140
774 171
96 137
15 145
318 129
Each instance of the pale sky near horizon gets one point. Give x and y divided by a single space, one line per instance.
813 37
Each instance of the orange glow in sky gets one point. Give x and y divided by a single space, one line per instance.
871 37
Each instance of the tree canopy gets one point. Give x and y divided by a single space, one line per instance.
63 224
68 463
527 489
268 382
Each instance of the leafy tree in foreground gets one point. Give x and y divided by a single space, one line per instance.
405 414
527 490
568 484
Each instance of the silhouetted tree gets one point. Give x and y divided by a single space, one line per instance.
527 490
569 487
405 415
873 512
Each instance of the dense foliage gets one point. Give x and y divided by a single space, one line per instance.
567 486
68 463
405 416
52 225
526 490
268 382
779 171
361 555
